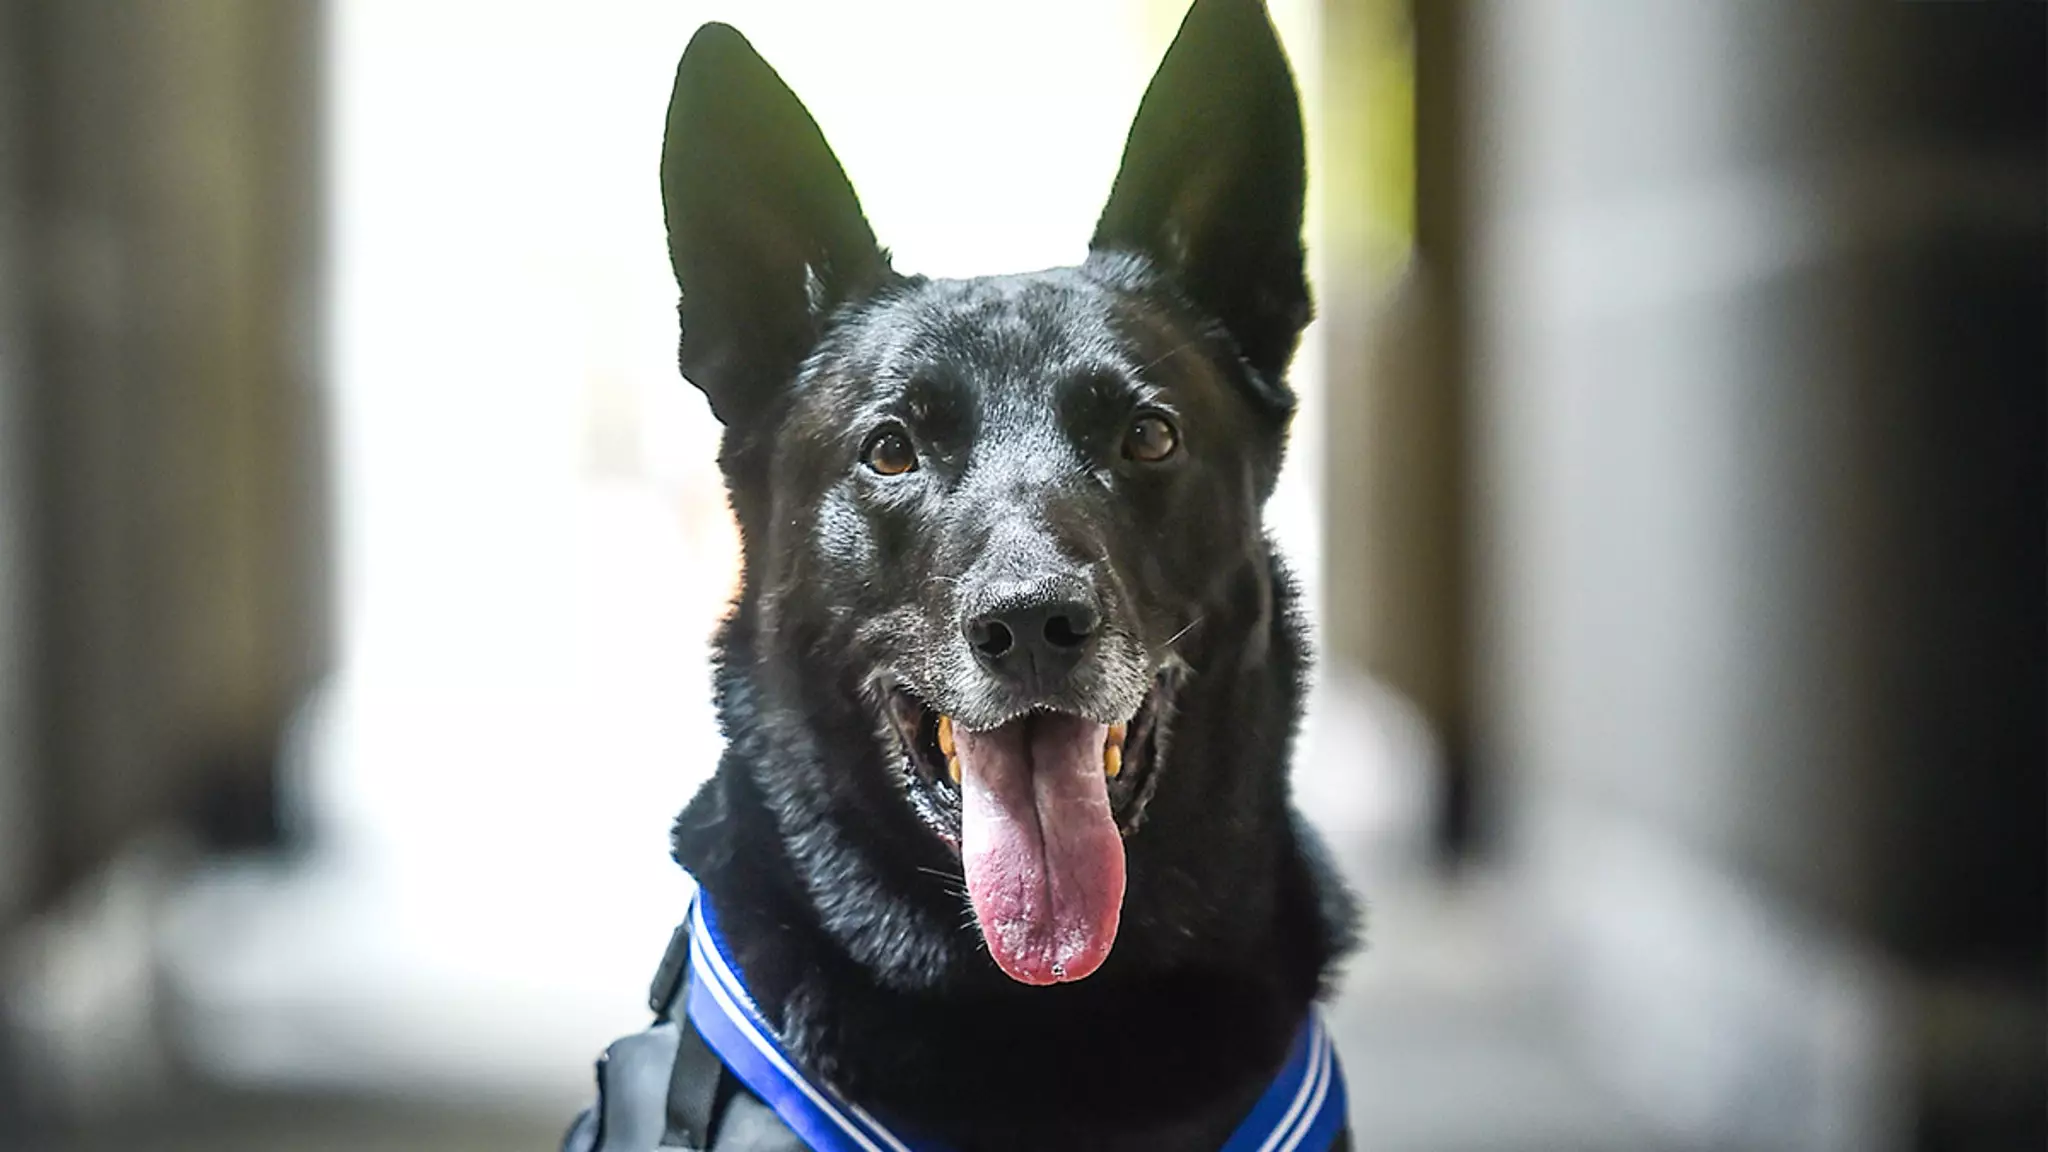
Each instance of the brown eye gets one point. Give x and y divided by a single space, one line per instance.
1151 438
889 452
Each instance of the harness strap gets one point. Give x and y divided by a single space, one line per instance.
697 1086
698 1080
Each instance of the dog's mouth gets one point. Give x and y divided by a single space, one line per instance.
1037 808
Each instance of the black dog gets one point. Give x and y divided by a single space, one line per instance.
1001 844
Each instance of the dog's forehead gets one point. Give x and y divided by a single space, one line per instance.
1018 336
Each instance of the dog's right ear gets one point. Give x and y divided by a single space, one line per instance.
764 232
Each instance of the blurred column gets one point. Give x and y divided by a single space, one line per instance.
165 459
1391 292
19 842
1758 396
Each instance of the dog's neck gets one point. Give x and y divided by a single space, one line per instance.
867 961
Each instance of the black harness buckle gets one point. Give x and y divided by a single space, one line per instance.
675 968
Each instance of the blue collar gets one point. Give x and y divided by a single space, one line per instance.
1302 1110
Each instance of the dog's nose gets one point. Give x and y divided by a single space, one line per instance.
1034 633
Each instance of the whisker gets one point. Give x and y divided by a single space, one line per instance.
1171 352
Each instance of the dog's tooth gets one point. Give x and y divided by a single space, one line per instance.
1112 760
946 740
1116 737
953 768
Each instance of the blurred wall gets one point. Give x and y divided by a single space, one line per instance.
1757 369
162 517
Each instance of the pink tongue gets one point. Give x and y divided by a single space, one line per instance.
1045 865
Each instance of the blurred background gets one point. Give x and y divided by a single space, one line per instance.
1669 486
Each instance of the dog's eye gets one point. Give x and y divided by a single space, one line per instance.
1151 438
889 452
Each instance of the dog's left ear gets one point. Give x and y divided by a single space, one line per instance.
764 232
1212 178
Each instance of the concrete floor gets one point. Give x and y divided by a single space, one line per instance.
240 1122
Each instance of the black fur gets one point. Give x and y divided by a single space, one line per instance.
842 898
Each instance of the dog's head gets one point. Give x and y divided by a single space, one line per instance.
996 514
